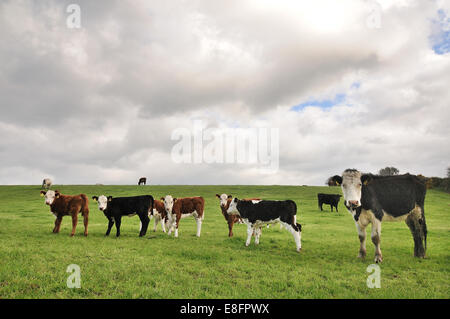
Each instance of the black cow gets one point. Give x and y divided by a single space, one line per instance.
115 208
142 181
256 213
373 199
329 199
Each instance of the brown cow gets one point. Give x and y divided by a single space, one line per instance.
225 201
62 205
159 213
177 208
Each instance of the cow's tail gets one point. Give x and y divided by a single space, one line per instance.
152 205
293 206
424 228
85 204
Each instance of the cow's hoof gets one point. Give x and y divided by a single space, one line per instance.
378 259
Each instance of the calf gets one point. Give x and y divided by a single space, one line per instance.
330 199
256 213
63 205
177 208
115 208
225 201
373 199
159 213
47 183
142 181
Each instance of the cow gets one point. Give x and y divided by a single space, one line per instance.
66 205
116 207
177 208
225 201
329 199
142 181
256 213
159 213
373 199
47 183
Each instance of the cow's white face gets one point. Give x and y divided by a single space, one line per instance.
168 204
232 210
49 197
223 200
351 187
102 202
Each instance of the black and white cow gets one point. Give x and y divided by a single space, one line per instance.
329 199
257 213
116 207
46 183
373 199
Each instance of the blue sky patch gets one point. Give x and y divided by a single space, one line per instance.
441 38
339 98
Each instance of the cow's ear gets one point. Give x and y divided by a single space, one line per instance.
57 194
109 198
162 198
236 199
230 196
338 180
366 179
174 199
95 198
217 195
42 193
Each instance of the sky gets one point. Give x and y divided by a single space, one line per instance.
99 97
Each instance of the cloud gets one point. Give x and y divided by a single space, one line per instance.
99 104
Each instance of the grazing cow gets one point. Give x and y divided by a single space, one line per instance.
329 199
116 207
47 183
142 181
177 208
373 199
159 213
257 213
63 205
225 201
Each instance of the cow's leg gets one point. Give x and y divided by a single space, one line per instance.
85 222
199 225
249 234
145 221
156 223
57 224
169 225
376 239
417 232
331 207
320 206
230 226
110 224
163 224
177 223
118 221
362 239
258 232
336 208
74 223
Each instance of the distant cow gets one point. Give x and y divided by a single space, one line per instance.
225 201
159 213
116 207
257 213
63 205
47 183
329 199
373 199
177 208
142 181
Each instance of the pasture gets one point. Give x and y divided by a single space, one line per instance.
33 260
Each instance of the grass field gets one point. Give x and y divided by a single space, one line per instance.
33 260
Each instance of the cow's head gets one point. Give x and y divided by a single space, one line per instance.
102 201
232 210
352 182
168 203
223 199
50 196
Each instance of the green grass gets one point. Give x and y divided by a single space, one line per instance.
33 260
